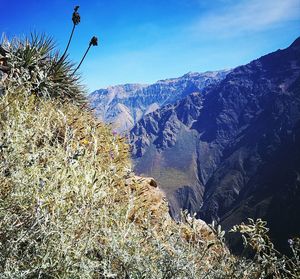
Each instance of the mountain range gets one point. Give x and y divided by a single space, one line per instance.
125 105
225 150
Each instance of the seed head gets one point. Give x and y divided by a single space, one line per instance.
76 16
94 41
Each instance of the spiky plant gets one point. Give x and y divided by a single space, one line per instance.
32 65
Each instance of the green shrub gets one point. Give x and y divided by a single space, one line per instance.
33 67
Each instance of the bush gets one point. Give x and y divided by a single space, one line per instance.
36 68
270 262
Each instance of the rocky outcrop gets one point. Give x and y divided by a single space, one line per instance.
124 105
151 204
234 149
149 201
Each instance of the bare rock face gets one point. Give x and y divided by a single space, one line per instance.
233 151
150 200
124 105
150 204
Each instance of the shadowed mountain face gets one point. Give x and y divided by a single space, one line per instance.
124 105
233 151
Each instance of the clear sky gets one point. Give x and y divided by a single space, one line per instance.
142 41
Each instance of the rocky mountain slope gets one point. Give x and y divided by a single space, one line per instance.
124 105
233 151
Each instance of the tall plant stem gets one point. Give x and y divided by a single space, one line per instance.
70 39
82 59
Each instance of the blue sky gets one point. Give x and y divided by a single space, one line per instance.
142 41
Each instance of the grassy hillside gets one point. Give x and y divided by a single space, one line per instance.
70 206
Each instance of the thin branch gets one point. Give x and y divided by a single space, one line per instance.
82 59
70 39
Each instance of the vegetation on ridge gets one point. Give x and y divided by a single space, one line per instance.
70 206
33 68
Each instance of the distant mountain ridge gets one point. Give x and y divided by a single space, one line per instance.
124 105
233 151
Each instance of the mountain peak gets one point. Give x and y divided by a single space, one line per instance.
296 43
